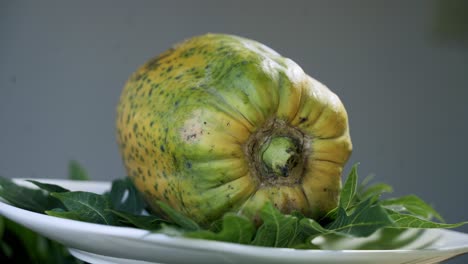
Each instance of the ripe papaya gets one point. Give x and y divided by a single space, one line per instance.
221 123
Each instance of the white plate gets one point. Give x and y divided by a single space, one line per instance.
101 244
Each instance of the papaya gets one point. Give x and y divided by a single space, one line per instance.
220 123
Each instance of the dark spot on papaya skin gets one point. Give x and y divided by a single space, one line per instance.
191 136
162 148
302 120
169 69
284 170
188 164
153 64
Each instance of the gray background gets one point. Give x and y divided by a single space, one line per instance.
402 78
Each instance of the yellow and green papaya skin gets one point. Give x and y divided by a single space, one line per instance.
221 123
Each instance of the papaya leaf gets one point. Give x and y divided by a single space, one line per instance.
277 230
217 225
413 205
365 182
2 227
49 187
76 171
302 239
312 228
330 216
178 218
171 230
410 221
375 191
35 200
235 229
59 212
148 222
22 245
348 192
90 206
366 218
125 197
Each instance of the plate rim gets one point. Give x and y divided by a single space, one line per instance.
137 234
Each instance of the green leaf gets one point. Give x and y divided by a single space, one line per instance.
410 221
413 205
363 184
330 216
375 191
77 172
125 197
235 228
59 212
348 192
312 228
28 241
178 218
2 226
277 230
171 230
49 187
6 249
21 245
216 226
367 218
90 206
148 222
34 200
